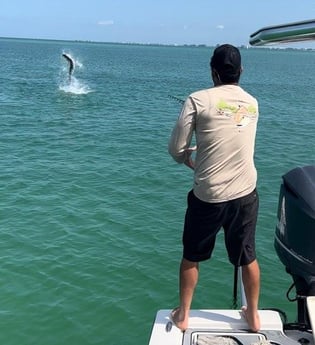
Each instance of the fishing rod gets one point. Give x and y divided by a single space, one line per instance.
243 300
235 290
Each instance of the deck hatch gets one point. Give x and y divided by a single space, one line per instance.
206 338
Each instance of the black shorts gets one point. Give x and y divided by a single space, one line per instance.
203 221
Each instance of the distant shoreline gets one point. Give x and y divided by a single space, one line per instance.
103 42
278 47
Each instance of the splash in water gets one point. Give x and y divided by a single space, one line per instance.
74 86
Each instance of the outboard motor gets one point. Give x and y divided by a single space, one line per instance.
295 233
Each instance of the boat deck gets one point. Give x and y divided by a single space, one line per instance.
212 327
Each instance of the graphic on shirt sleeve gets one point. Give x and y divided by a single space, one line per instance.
241 115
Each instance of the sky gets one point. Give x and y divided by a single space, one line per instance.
149 21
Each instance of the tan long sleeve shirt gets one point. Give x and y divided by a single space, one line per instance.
224 121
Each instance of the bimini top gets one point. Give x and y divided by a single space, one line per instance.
292 32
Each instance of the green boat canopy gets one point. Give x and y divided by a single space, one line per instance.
292 32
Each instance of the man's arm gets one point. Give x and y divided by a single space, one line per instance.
181 137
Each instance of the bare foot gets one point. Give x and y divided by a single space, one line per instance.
179 319
252 318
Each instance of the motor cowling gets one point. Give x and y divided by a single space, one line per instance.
295 230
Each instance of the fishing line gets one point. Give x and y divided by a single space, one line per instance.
181 101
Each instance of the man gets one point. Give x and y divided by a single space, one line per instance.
223 120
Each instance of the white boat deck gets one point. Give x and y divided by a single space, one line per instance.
207 321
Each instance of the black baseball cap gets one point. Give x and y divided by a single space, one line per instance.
226 60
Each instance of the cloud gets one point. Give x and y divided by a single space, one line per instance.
220 27
105 22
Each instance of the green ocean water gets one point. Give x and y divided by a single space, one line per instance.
92 205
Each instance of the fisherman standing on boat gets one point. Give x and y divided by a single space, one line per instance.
223 119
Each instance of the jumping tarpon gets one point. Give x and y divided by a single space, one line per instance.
71 63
